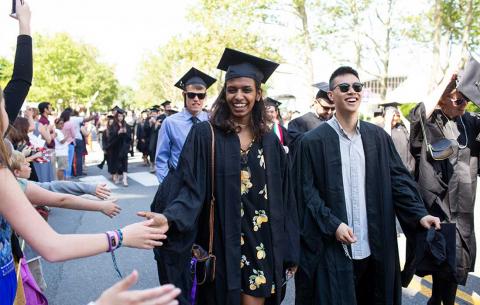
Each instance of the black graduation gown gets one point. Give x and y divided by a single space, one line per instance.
297 127
188 215
118 149
390 191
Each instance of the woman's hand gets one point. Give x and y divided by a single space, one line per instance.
102 191
118 294
159 220
110 208
143 235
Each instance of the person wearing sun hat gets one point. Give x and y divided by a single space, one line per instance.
255 236
175 128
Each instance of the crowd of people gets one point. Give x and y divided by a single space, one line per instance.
248 201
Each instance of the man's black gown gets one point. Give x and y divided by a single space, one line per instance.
189 185
390 190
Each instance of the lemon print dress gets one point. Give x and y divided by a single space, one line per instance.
256 242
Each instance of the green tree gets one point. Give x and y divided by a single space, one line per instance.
6 68
218 24
69 72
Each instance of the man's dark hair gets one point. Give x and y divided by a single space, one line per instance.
42 106
341 71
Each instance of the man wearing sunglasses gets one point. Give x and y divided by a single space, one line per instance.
176 127
350 185
322 110
447 175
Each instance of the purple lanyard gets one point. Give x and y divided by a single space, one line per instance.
193 264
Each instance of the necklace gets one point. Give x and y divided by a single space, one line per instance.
451 130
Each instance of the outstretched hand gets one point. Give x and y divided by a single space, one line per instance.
159 220
118 294
143 235
102 191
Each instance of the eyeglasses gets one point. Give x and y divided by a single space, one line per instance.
192 95
459 101
344 87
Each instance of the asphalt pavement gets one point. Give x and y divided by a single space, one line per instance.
80 281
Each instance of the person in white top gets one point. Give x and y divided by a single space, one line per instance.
61 149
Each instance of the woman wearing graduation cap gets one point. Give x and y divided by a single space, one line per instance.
256 238
119 137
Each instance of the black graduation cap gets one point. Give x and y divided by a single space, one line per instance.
239 64
393 104
323 88
272 102
120 110
195 77
469 84
145 110
154 109
436 250
116 108
166 103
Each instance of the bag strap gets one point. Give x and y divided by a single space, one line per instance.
423 131
212 199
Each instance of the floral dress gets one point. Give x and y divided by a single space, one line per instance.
256 241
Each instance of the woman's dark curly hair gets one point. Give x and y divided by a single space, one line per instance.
222 117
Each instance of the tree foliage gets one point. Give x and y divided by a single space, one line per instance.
217 24
69 72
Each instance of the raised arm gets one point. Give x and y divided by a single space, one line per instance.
17 88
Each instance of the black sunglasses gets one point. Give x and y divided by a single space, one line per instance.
192 95
344 87
460 101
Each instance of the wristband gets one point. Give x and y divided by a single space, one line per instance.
112 242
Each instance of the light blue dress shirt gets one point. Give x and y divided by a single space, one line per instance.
171 137
353 176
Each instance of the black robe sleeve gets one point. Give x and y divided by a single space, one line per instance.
17 88
312 207
192 170
408 203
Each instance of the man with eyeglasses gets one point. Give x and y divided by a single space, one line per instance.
350 185
322 111
447 178
176 127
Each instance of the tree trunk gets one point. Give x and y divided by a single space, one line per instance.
299 6
466 32
387 50
437 40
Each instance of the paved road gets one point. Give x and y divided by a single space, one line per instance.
81 281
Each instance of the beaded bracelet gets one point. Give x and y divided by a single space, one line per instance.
120 237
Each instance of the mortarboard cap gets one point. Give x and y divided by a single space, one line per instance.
469 84
195 77
393 104
239 64
167 102
323 88
154 108
435 250
272 102
116 108
120 110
